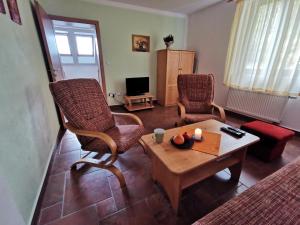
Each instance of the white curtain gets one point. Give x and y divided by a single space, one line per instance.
264 48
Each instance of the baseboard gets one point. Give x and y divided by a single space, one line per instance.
38 202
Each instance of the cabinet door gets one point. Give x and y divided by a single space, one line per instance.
172 67
161 76
186 62
172 95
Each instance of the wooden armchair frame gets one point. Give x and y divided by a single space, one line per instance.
182 111
108 162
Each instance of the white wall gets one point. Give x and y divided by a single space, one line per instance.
9 212
208 34
291 118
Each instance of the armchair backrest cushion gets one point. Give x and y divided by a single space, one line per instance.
83 104
196 92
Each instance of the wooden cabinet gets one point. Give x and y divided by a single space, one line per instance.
170 63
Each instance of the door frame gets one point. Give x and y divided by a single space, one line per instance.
97 27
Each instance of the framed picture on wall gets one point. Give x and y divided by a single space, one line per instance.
14 11
2 7
140 43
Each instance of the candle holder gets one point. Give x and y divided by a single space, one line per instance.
198 139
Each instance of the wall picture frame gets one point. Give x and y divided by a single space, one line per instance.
14 11
140 43
2 7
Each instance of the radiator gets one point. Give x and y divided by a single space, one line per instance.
257 105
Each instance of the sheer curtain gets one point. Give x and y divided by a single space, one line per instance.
264 48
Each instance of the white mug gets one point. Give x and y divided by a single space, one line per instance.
158 136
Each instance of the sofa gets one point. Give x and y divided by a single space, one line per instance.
274 200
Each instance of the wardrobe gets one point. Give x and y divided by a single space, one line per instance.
171 63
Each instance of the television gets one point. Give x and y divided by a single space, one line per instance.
137 86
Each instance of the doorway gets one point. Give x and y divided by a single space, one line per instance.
77 46
72 47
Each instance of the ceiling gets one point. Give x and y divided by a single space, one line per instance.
173 6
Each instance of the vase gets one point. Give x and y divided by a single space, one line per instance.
168 44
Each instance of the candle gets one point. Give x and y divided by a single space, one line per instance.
198 133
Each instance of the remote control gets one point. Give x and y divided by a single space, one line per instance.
237 129
232 132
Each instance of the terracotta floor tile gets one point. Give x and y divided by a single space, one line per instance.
68 134
161 210
62 162
137 214
241 189
54 190
133 193
133 159
85 190
50 214
69 144
87 216
106 207
132 177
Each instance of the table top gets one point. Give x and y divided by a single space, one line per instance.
179 161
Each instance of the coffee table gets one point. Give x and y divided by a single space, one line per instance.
177 169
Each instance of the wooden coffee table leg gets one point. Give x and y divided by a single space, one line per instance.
236 169
235 172
174 193
168 180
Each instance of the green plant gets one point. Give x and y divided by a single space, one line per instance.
169 38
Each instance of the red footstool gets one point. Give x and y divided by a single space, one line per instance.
272 139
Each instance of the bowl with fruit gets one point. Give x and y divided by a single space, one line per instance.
182 141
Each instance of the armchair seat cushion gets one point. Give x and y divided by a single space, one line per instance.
194 118
124 136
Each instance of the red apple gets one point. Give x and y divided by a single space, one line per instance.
186 136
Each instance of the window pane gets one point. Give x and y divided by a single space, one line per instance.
63 46
84 45
86 60
66 59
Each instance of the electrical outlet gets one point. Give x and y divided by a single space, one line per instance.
111 94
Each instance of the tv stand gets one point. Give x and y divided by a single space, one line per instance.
138 102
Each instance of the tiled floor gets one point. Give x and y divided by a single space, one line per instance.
91 196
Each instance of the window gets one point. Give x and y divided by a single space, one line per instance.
264 49
63 46
85 45
76 47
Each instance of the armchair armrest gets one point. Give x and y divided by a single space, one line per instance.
134 117
221 111
181 110
96 134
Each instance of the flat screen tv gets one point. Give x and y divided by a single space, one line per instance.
137 86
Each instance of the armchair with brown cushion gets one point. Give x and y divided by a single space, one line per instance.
83 105
196 95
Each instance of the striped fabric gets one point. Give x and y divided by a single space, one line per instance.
196 92
274 200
